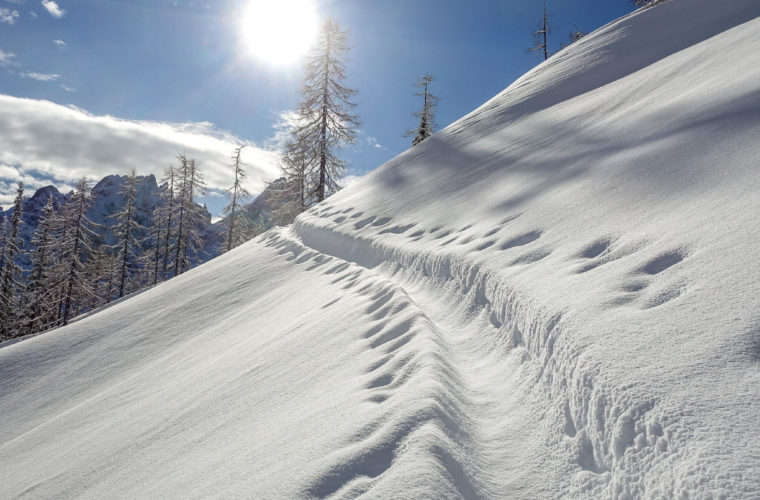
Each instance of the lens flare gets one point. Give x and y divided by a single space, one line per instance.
278 32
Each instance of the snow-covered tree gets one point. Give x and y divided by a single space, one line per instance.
576 35
103 271
76 243
126 230
40 297
541 36
427 125
239 230
325 121
4 232
645 3
157 225
190 215
11 271
292 193
169 207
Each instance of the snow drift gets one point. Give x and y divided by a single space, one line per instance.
554 297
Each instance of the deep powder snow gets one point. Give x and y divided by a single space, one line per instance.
554 297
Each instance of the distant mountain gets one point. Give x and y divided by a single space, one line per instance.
108 200
259 212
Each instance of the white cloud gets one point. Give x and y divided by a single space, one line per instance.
8 16
59 43
42 139
33 14
53 8
371 141
349 180
41 77
7 58
285 123
67 88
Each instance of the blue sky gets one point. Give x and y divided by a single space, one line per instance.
181 62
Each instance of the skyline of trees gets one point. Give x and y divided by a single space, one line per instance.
71 264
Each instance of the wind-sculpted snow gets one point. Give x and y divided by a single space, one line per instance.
555 297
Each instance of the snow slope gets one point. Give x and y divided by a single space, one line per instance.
554 297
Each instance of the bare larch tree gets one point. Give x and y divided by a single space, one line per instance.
238 231
427 125
326 122
541 36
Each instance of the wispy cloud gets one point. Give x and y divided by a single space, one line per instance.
41 139
371 141
7 58
41 77
8 16
285 123
59 43
349 180
33 14
53 9
67 88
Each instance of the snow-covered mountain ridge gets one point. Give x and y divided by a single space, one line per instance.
554 297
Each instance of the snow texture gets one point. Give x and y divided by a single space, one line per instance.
554 297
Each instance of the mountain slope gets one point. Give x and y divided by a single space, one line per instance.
554 297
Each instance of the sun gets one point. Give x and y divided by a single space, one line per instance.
278 32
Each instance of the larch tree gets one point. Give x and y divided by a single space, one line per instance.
645 3
324 117
426 115
181 197
190 215
291 194
541 36
168 199
77 244
239 230
40 299
4 232
11 271
126 229
158 222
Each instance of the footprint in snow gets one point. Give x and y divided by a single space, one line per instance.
398 229
522 240
361 224
382 221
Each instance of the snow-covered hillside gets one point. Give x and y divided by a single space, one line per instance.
554 297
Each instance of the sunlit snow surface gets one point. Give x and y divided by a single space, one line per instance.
555 297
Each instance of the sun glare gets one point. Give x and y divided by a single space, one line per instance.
278 31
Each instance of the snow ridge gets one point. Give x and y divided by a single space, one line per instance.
602 422
414 359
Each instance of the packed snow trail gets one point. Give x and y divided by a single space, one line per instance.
554 297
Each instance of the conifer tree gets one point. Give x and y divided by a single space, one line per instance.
169 178
4 233
40 308
541 35
158 222
11 271
427 125
326 123
239 230
77 245
291 194
126 230
189 213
